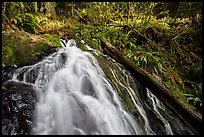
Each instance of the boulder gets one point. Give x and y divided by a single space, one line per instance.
21 48
18 101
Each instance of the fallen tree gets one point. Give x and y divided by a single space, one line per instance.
193 121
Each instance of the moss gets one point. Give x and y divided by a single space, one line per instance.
17 49
7 54
95 45
22 54
39 47
14 49
83 47
53 38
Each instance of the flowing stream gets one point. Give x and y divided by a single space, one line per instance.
76 97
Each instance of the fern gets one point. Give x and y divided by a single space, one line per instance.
195 101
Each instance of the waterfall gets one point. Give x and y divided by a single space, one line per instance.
76 98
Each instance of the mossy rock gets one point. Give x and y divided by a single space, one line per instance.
53 38
124 95
82 46
20 47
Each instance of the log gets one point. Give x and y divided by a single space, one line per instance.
192 120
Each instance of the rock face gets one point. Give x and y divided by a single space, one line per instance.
18 101
21 48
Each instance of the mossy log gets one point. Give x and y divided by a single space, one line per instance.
186 115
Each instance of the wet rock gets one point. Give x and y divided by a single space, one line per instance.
7 73
18 101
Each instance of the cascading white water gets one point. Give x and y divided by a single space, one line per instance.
75 97
157 104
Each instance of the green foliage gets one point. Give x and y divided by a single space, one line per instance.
20 16
30 6
7 56
83 12
13 9
26 22
53 38
149 59
195 101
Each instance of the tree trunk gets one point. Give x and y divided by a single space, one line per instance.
186 115
3 8
72 8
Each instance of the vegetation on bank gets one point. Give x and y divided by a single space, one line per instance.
162 38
